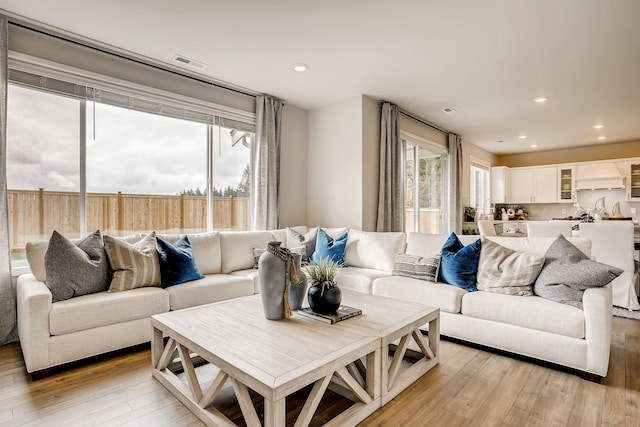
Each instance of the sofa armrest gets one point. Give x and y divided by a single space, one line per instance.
598 312
34 305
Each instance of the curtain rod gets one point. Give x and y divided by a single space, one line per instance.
424 122
137 61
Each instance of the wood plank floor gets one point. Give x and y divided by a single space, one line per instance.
470 387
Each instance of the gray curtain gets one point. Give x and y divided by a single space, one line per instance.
390 197
455 182
8 322
265 162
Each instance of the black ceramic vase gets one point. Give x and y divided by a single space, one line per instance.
325 301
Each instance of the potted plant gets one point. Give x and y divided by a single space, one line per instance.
469 214
324 294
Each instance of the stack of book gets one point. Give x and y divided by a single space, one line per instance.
343 313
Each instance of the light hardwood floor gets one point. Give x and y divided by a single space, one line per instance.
469 387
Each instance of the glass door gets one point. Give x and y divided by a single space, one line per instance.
425 206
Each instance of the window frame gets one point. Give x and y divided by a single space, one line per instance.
436 148
63 80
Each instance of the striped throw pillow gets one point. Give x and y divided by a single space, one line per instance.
417 267
134 265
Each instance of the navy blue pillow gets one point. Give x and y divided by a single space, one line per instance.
177 263
329 248
459 264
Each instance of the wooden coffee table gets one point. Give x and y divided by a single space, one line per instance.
356 358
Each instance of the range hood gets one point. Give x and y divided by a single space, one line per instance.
599 176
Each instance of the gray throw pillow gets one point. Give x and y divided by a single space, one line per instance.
74 269
567 272
417 267
505 271
308 240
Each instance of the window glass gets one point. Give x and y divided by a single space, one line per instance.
231 178
424 207
145 172
43 173
479 196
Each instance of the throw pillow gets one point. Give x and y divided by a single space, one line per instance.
134 265
459 264
308 240
177 262
329 248
74 269
505 271
567 272
417 267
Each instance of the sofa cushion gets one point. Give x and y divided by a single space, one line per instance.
134 265
417 267
459 264
74 269
357 278
212 288
329 248
177 262
530 312
205 247
374 250
567 272
250 274
447 298
106 308
237 248
506 271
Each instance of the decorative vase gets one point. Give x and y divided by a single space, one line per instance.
272 271
325 298
297 289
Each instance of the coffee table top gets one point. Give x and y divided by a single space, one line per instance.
269 355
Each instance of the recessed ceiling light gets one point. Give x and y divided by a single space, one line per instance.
500 141
523 137
602 137
541 99
598 126
534 146
300 67
450 111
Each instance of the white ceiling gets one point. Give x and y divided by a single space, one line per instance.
486 59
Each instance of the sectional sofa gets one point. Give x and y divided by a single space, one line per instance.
55 333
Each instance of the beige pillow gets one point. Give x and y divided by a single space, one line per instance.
506 271
134 265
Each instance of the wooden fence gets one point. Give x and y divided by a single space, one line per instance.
35 214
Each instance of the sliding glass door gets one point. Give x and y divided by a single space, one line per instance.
425 180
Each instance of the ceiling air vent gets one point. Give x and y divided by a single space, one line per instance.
190 62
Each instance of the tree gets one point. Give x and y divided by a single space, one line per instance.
244 186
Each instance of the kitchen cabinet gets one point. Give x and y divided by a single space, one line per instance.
500 184
634 182
534 185
566 184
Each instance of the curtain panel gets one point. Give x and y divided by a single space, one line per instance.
265 162
455 183
390 197
8 320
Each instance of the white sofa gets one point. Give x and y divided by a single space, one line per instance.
53 334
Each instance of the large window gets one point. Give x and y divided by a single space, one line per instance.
80 159
425 198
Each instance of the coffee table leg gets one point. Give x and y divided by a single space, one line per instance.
275 413
157 346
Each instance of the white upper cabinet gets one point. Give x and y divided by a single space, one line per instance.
566 184
633 194
500 184
534 185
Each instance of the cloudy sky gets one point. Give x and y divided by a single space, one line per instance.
132 152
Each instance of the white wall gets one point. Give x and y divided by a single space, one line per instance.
293 167
334 165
